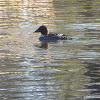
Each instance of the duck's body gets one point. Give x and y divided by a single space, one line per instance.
45 35
53 36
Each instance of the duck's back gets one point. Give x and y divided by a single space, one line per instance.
53 36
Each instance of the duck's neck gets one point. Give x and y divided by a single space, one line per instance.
42 35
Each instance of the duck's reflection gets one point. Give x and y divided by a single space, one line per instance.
43 44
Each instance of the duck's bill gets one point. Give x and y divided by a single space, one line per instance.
37 31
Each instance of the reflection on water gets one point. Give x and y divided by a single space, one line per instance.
94 80
61 70
19 13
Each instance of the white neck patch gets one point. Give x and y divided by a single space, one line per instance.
42 36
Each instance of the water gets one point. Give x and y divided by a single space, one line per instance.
62 70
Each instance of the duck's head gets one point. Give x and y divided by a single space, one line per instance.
43 30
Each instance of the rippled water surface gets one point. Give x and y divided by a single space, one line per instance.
62 70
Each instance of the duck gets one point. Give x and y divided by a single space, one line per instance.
49 36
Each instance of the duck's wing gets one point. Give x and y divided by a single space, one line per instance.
58 36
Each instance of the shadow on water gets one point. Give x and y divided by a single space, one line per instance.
94 80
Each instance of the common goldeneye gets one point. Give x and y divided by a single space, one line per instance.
45 35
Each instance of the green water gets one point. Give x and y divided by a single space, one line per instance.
62 70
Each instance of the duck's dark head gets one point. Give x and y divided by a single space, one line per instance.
43 30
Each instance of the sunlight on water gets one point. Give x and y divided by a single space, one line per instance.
61 70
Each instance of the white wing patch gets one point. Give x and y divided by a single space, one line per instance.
59 34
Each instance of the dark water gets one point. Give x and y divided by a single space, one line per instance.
63 70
